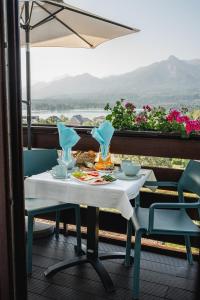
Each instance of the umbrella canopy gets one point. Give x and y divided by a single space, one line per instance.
57 24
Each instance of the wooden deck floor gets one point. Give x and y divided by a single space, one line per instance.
162 277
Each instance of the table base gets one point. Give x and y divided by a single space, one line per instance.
90 255
95 262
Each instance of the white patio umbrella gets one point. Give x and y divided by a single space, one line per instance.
57 24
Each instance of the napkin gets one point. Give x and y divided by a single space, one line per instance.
67 139
103 135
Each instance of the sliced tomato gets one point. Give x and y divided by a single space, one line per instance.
93 173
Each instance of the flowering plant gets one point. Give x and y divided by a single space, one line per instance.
124 115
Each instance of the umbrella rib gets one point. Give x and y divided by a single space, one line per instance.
22 13
47 19
93 16
68 27
26 23
30 15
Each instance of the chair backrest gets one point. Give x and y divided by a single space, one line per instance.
190 179
39 160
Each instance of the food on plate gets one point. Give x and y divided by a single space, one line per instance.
93 173
85 176
92 177
78 174
108 178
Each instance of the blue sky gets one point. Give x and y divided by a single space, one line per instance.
167 27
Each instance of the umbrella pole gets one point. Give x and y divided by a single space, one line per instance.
40 229
28 74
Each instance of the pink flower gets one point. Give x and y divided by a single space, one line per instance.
182 119
147 107
173 115
130 106
140 119
192 125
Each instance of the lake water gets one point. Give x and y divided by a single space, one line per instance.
87 113
91 114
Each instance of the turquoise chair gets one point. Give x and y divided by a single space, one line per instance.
165 218
35 162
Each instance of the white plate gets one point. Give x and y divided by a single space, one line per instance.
122 176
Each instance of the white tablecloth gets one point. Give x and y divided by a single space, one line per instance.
115 195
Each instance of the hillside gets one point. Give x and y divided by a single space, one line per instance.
168 80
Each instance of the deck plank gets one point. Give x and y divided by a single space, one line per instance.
162 277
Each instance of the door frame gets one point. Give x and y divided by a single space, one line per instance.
13 283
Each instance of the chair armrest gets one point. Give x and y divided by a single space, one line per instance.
156 184
168 205
161 183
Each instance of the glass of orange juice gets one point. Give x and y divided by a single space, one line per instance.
104 164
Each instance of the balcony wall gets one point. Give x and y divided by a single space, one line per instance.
133 143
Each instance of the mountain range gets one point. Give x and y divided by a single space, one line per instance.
169 80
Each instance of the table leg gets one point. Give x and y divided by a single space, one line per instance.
92 248
92 231
91 255
117 255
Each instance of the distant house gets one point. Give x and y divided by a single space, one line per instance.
35 119
99 119
52 120
78 120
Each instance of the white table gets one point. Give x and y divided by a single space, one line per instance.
116 195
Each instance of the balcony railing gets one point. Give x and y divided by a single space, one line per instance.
131 143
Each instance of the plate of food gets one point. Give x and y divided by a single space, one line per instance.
92 177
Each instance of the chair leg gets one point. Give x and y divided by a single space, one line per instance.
128 243
57 228
188 249
29 244
78 229
136 267
65 228
137 200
